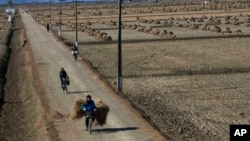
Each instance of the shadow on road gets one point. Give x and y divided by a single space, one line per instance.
112 130
12 102
79 92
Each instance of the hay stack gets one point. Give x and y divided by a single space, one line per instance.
88 23
150 21
148 29
155 31
226 31
171 35
112 23
134 27
101 113
194 26
140 29
216 29
163 33
77 111
98 36
192 19
129 26
200 20
164 22
107 38
237 32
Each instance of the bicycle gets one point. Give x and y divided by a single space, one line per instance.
74 53
64 85
75 57
90 118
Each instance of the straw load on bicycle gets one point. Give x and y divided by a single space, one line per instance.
101 112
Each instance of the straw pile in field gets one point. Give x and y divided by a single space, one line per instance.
77 111
101 113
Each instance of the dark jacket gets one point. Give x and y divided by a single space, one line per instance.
89 106
75 50
63 74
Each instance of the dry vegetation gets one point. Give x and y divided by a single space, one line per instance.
150 30
189 89
3 23
4 54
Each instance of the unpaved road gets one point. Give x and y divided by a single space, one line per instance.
124 124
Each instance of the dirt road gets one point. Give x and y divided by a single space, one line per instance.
123 124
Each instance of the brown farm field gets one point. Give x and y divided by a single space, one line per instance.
189 89
186 68
3 21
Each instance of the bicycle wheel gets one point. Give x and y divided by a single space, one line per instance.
90 124
64 87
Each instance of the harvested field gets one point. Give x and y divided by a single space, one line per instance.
188 89
185 85
68 34
207 104
179 27
3 24
127 34
172 58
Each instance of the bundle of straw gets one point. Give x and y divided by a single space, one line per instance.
77 111
101 113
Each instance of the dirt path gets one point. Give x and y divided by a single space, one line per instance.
123 124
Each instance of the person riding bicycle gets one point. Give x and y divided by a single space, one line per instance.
63 77
75 52
48 27
89 107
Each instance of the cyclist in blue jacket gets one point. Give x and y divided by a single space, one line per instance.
89 107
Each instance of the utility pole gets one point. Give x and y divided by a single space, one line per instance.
76 42
119 46
43 11
33 9
36 10
50 14
60 17
60 12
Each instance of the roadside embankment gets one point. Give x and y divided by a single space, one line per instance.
21 113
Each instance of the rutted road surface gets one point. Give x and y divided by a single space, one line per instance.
123 124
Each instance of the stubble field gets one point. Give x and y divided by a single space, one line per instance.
187 90
185 68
